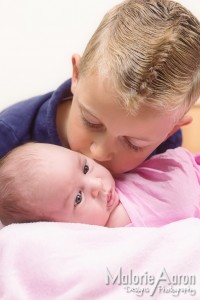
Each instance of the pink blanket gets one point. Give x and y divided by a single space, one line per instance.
60 261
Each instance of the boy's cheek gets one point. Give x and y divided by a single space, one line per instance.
78 139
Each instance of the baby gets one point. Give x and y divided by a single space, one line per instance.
44 182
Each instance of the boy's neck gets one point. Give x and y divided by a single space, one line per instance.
119 217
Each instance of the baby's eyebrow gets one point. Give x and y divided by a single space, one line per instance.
80 164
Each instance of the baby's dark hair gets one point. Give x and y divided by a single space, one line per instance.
17 194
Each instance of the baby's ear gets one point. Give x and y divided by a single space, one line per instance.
184 121
75 71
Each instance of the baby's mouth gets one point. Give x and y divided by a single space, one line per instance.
110 198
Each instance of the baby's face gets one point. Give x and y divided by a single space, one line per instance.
75 188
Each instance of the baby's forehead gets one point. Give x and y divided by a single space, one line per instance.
38 150
40 159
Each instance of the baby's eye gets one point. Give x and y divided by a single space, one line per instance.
78 198
85 169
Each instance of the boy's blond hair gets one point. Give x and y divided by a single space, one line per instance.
18 195
150 52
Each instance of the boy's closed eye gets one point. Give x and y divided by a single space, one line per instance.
90 123
89 119
131 145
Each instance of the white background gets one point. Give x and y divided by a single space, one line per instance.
38 38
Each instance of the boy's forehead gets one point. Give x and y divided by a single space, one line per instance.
97 89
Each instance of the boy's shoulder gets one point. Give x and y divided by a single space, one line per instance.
16 122
32 120
21 114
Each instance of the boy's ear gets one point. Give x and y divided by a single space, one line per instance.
75 71
184 121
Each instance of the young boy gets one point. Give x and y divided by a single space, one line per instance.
129 92
45 182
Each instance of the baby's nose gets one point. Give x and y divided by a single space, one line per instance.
95 186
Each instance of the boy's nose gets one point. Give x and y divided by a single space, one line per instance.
95 186
101 151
